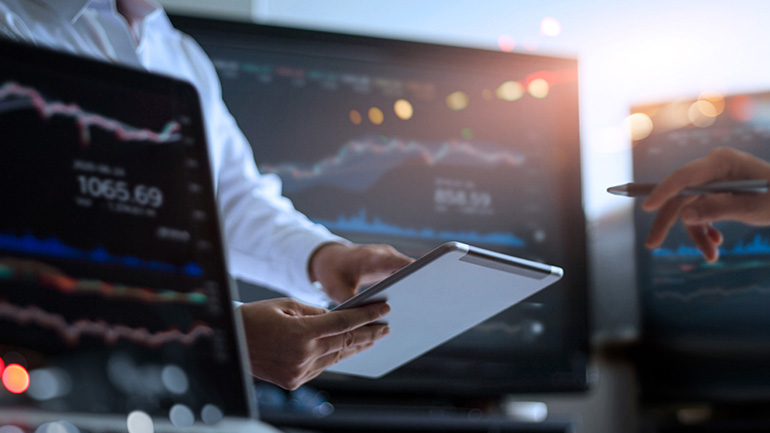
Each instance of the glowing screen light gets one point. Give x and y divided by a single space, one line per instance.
550 26
15 378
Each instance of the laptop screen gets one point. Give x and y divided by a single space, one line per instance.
114 295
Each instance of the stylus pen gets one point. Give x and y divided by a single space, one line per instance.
731 186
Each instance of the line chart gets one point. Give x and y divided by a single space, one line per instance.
48 276
14 96
757 245
360 223
71 333
712 293
53 247
371 157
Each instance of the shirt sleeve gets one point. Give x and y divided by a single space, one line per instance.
268 241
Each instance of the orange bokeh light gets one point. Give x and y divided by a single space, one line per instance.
741 108
355 117
15 378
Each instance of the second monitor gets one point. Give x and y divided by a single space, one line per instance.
414 144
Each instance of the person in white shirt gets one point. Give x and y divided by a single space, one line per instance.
268 241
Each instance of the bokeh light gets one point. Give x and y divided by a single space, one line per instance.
702 113
506 43
376 116
175 379
467 133
57 427
48 383
403 109
15 378
538 88
706 108
181 416
639 126
211 414
741 108
716 99
673 116
139 422
2 366
355 117
510 91
550 26
457 101
11 429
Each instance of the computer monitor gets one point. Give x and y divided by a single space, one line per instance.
705 327
114 293
415 144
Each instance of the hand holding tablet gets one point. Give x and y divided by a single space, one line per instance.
439 296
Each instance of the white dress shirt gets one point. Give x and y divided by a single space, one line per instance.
268 241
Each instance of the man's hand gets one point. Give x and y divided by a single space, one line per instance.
699 212
290 343
341 269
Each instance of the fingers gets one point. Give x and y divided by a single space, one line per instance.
719 164
701 236
709 168
331 350
385 258
342 268
368 264
715 235
664 220
342 321
363 336
327 361
746 208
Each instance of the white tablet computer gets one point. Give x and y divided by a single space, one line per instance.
440 295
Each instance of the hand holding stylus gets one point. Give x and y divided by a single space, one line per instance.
698 211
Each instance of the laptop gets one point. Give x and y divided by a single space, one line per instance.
115 302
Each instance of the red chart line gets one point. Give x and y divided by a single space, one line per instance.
50 277
110 333
85 119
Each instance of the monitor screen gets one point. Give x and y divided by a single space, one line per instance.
705 327
114 295
414 144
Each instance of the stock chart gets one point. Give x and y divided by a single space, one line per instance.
112 272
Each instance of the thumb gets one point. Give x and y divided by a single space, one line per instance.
746 208
340 321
